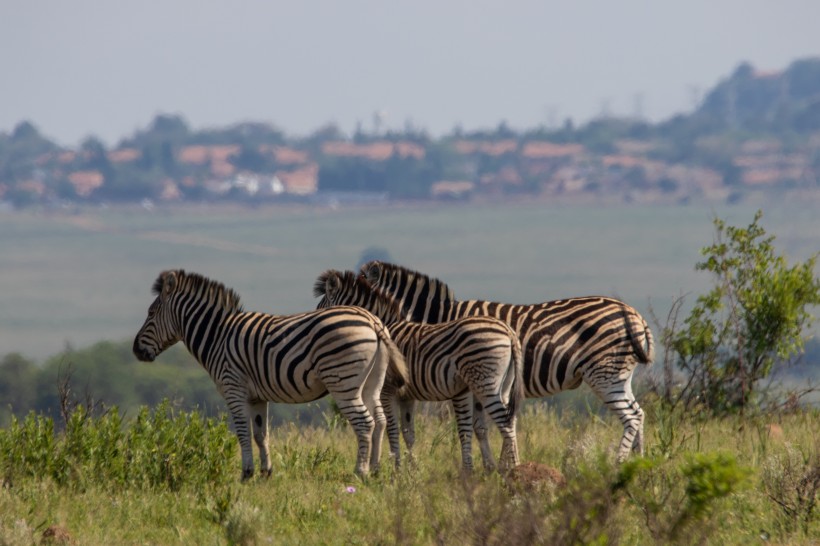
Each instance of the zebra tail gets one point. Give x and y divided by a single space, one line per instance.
397 373
646 355
517 394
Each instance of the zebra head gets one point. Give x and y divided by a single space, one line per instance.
337 288
161 328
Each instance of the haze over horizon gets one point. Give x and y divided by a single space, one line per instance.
95 68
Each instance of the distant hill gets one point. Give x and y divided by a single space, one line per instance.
767 101
756 136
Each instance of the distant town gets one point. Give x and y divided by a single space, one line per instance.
753 134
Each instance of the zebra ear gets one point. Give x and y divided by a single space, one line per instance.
332 284
373 272
169 283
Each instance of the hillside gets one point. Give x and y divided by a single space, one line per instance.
754 134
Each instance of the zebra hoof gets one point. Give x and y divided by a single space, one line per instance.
247 474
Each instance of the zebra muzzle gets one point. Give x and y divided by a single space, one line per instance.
143 354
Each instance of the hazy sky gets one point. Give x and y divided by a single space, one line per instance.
106 68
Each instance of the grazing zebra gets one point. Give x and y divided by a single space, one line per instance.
468 360
597 340
254 358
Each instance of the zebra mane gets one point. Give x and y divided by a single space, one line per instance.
437 286
194 283
349 281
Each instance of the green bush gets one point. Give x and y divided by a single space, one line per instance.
678 499
160 448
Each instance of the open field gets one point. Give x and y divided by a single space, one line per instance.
730 481
77 278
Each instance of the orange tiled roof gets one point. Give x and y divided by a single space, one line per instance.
626 161
376 151
302 181
222 168
85 182
202 154
494 148
284 155
124 155
505 176
545 150
34 186
170 191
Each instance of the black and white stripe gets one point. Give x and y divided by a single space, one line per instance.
597 340
470 361
254 358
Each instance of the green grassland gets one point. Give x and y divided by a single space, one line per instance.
81 277
731 481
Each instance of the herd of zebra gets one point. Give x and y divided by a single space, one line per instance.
386 337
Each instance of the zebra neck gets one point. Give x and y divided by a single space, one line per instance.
387 312
202 332
433 311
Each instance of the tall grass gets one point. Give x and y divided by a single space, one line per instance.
166 477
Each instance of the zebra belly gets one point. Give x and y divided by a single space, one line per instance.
286 389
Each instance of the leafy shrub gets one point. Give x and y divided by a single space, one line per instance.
753 319
160 448
677 499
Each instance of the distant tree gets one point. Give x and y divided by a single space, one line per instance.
172 129
409 177
250 158
131 184
668 185
25 131
326 133
373 253
803 78
93 156
17 386
20 152
169 127
503 131
352 174
245 134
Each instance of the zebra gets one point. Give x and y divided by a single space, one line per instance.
593 339
254 358
470 360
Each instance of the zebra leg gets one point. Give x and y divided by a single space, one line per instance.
462 407
616 393
259 416
499 413
238 406
637 444
389 404
377 411
371 395
407 411
480 429
363 425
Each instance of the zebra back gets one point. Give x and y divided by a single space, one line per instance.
356 291
559 338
